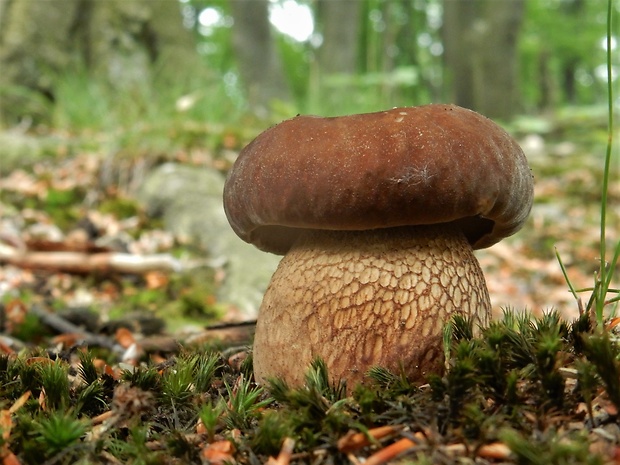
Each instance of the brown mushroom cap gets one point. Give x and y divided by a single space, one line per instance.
406 166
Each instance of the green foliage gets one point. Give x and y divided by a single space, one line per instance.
604 355
94 392
59 431
317 410
516 349
211 417
87 369
588 382
601 290
296 65
55 383
317 395
607 269
91 399
274 426
120 207
384 379
30 329
155 116
134 447
567 68
177 383
53 437
245 403
145 378
190 375
501 385
186 298
550 449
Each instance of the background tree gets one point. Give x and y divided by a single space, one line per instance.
126 43
561 54
259 63
498 57
481 55
339 23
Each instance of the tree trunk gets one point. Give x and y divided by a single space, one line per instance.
340 23
120 41
35 40
480 39
259 63
458 16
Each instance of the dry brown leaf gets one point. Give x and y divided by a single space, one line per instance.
67 339
219 452
156 280
124 337
494 451
10 459
39 361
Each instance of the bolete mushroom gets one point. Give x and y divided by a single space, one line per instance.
377 215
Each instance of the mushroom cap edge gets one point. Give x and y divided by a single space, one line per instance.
406 166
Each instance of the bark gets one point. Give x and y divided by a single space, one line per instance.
545 82
132 41
122 41
34 41
457 17
104 263
259 63
340 21
480 39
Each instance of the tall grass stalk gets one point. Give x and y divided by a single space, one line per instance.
606 270
602 282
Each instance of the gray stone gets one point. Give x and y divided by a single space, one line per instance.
189 200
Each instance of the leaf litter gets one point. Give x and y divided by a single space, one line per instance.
531 390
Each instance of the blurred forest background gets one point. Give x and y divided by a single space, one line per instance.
103 64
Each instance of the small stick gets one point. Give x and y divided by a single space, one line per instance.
354 441
284 457
85 263
63 326
390 452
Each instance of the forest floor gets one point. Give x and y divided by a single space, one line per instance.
82 266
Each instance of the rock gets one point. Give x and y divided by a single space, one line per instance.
189 200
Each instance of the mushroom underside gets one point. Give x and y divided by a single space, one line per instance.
359 299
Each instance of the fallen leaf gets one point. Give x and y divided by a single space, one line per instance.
219 452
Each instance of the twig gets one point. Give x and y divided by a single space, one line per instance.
84 263
390 452
61 325
354 441
284 457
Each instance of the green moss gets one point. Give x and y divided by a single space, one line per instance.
120 207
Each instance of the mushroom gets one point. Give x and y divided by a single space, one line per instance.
377 216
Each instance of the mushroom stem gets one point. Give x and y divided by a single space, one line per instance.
363 298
